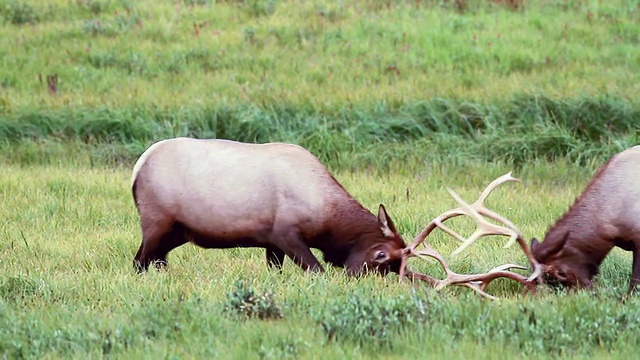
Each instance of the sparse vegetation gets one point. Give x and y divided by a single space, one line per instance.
245 302
372 321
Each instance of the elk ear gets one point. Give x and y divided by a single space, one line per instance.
385 223
552 247
534 244
559 244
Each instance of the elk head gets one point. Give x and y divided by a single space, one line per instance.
477 282
561 265
381 251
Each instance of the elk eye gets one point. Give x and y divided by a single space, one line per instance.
561 275
380 256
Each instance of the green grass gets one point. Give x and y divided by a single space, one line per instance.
348 80
517 132
68 289
321 53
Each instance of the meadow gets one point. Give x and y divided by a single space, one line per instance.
360 83
400 99
68 288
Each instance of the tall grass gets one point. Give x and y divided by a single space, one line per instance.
518 131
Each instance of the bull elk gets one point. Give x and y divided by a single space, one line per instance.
226 194
276 196
605 215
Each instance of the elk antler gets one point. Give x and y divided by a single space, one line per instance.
477 282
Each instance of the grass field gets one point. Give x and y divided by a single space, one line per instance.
394 96
68 289
175 53
486 82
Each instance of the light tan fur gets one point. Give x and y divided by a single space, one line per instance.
271 181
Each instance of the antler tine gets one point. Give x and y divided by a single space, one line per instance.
476 210
479 289
478 205
437 222
480 208
492 185
482 280
504 267
476 282
451 279
432 253
507 267
484 227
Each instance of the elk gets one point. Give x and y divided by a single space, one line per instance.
276 196
605 215
476 211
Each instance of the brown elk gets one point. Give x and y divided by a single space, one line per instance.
605 215
225 194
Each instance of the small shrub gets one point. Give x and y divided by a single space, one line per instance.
95 6
332 14
284 348
123 23
17 13
244 302
371 321
96 27
249 35
16 288
101 60
120 24
197 2
7 82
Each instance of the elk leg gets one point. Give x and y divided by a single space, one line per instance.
635 272
157 241
171 241
275 257
290 242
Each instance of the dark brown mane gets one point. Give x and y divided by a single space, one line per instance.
559 224
355 219
342 213
354 211
337 182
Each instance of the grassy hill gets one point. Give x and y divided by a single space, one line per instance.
480 79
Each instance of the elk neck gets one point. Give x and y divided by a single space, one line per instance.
584 244
350 227
585 239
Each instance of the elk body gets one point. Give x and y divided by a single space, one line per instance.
226 194
605 215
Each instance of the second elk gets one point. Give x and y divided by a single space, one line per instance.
605 215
